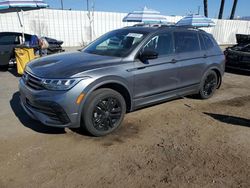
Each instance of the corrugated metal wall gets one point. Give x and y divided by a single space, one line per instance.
73 26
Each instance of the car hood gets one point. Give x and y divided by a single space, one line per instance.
66 65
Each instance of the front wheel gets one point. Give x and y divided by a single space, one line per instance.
208 85
103 112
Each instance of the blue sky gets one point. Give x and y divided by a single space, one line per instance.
167 7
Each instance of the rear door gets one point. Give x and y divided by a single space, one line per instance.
213 53
190 57
158 75
8 41
210 45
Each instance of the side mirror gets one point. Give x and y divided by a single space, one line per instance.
147 55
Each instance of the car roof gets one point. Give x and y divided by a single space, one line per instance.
8 32
150 29
139 29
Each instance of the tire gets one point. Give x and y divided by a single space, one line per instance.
208 85
103 112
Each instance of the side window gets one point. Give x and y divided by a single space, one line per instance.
162 44
9 39
186 42
208 42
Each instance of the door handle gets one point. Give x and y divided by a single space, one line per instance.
173 61
205 56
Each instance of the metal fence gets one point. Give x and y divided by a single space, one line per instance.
74 29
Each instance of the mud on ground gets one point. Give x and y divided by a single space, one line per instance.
181 143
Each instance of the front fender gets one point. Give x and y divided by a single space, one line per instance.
111 79
107 80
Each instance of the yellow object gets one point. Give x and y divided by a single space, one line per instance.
23 56
80 98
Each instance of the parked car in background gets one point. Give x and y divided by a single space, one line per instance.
122 71
238 56
55 46
10 40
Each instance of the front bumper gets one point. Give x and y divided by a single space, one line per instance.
52 108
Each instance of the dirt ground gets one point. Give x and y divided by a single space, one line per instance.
181 143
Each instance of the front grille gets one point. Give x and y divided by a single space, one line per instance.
33 82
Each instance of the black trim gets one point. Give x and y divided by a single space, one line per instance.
187 59
157 64
51 109
171 90
146 66
200 57
171 62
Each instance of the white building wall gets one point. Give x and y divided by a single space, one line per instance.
73 26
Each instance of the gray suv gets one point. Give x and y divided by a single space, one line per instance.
122 71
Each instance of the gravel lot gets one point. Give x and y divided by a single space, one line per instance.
181 143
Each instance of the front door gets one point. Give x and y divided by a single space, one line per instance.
156 76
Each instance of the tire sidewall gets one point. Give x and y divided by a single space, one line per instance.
88 108
203 82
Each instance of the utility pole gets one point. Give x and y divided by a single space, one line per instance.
88 5
90 25
90 14
221 9
233 9
205 8
62 4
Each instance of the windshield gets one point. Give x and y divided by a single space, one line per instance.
117 43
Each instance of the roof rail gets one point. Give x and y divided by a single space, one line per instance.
190 27
150 25
166 25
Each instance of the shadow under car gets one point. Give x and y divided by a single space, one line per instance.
29 122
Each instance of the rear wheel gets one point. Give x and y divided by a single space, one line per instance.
103 112
208 85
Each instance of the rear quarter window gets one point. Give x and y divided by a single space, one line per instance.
203 46
186 42
208 42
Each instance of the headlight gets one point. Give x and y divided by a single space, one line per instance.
60 84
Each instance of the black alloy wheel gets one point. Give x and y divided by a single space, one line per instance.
103 112
209 85
106 114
